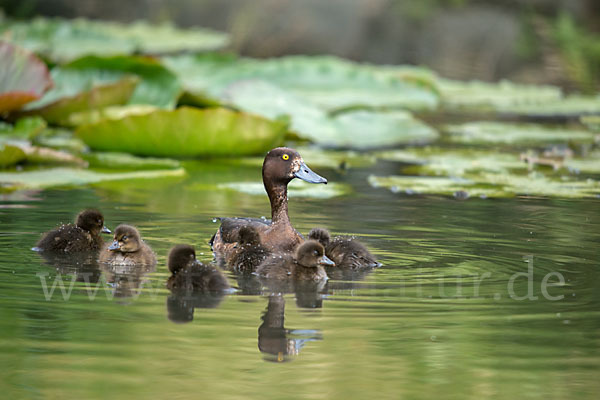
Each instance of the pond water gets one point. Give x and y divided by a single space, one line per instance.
477 298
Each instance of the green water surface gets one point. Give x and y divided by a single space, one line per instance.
476 299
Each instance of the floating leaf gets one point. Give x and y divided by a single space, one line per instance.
24 128
185 132
328 82
358 129
497 132
490 185
64 40
10 155
70 177
568 107
23 77
158 86
492 96
295 189
82 90
112 112
61 139
128 161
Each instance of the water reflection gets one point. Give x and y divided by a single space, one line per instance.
83 266
181 306
126 280
277 343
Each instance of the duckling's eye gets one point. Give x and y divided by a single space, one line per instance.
315 252
285 157
124 238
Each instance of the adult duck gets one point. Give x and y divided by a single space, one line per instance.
280 166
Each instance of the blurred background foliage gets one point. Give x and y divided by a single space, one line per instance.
531 41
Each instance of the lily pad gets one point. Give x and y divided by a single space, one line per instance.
64 40
44 155
357 130
476 95
504 133
81 90
158 86
61 139
573 107
111 112
24 77
10 155
455 162
128 161
69 177
295 189
490 185
185 132
24 128
329 82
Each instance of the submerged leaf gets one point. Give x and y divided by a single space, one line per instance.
185 132
70 177
23 77
295 189
498 132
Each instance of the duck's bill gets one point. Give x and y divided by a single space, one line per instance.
326 261
105 230
114 246
306 174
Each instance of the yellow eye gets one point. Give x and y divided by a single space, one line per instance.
285 157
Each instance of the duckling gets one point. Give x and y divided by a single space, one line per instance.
345 252
248 253
191 275
127 248
305 265
84 235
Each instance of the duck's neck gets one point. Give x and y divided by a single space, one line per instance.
279 203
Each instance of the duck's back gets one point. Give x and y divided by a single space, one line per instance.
69 238
198 277
276 266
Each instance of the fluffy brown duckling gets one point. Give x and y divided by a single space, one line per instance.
83 235
127 248
249 252
346 252
190 275
306 265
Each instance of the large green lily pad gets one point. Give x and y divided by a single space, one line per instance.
483 132
185 132
10 155
70 177
24 77
158 86
81 90
64 40
328 82
357 129
128 161
24 128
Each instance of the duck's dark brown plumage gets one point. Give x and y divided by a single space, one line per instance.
346 252
127 248
280 166
305 265
190 275
83 235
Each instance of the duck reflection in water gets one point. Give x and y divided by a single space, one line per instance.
126 281
277 343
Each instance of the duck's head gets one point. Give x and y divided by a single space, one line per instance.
320 235
354 255
180 256
92 221
312 254
283 164
126 240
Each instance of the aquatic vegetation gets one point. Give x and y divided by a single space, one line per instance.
295 189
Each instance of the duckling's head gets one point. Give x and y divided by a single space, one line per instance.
126 240
92 221
320 235
248 235
283 164
312 254
181 256
354 255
